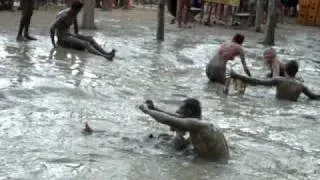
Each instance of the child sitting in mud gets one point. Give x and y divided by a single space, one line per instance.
287 88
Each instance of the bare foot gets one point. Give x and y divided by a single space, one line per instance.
21 38
28 37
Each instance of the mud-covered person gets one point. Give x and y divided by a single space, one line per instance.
216 68
67 18
277 67
27 7
179 142
287 88
208 141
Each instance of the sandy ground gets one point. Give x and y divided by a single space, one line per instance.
45 16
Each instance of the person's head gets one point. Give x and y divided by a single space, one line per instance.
190 108
238 38
76 6
292 68
269 55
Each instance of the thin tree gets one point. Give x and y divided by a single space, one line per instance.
272 23
259 13
178 12
160 30
88 15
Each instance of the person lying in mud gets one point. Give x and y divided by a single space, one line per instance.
216 68
27 7
276 66
75 41
288 88
209 142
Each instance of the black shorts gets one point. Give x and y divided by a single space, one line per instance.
216 74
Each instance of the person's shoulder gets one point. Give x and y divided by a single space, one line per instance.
63 12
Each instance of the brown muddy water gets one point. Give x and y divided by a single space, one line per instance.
47 95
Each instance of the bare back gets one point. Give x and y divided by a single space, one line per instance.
64 22
289 89
210 144
227 52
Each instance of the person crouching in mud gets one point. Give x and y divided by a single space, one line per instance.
276 66
76 41
216 68
209 142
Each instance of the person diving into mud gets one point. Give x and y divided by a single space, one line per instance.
287 88
216 68
66 39
209 142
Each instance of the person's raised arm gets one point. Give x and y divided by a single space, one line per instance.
151 106
310 94
243 61
254 81
183 124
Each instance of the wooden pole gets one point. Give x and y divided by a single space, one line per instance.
258 16
272 23
160 30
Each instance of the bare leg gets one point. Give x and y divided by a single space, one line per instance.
99 48
96 46
93 50
27 25
71 41
209 16
21 27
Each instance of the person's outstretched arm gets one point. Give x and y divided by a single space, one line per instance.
53 31
254 81
243 61
310 94
183 124
151 106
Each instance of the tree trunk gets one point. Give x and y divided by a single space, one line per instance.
88 15
178 13
160 30
259 12
107 5
271 25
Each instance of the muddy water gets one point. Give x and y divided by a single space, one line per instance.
47 95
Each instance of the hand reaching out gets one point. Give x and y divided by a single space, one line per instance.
144 108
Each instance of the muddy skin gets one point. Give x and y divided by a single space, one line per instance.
209 143
216 68
287 88
178 142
